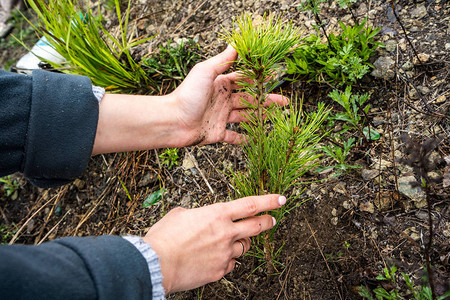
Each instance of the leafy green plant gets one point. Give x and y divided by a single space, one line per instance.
281 147
422 292
7 232
343 60
169 157
352 104
79 36
173 61
10 186
339 155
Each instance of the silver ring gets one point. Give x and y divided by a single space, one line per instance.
243 248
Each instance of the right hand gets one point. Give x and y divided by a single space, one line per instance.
198 246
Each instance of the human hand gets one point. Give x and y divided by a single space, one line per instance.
206 102
198 246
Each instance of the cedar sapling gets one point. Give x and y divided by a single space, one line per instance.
281 144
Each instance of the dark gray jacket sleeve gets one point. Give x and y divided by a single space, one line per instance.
106 267
48 123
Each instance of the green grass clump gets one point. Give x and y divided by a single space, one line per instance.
80 37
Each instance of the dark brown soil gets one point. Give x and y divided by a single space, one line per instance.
349 229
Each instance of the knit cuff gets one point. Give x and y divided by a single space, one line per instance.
154 267
98 91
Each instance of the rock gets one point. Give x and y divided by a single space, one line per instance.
377 121
362 9
148 178
347 204
446 231
334 221
412 93
447 46
405 169
384 68
391 46
423 89
334 212
423 58
440 100
367 207
188 162
372 14
369 174
419 12
78 183
408 66
384 201
407 186
340 188
383 164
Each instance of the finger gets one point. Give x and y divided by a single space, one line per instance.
253 226
240 247
222 61
241 100
232 137
250 206
237 116
231 266
235 78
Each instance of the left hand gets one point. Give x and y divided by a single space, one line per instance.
206 102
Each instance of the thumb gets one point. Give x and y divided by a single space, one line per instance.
222 61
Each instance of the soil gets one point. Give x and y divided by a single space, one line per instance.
351 227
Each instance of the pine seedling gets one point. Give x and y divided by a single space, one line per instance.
280 147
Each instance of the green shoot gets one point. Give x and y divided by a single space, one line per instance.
169 157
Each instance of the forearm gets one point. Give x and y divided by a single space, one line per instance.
131 123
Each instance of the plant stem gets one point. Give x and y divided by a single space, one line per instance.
430 241
404 31
260 102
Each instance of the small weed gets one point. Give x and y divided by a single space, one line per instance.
10 186
343 60
173 61
422 292
169 157
6 233
339 154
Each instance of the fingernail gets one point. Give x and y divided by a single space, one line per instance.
274 221
282 200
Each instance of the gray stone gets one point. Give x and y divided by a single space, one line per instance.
377 121
362 9
334 221
423 58
340 188
419 12
447 46
407 186
369 174
391 46
424 90
384 68
367 207
408 66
